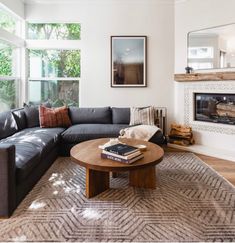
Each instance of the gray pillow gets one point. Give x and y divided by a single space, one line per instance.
121 115
100 115
8 124
32 116
20 118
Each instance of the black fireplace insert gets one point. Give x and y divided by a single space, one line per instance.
216 108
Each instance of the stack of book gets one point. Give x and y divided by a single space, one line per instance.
122 153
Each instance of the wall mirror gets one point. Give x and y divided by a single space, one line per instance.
212 48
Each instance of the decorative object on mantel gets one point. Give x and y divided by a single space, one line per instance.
181 135
189 69
210 76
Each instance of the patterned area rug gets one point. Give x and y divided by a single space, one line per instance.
191 203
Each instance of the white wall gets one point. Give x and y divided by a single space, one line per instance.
16 6
193 15
103 18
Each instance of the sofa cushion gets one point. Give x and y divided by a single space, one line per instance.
100 115
27 157
32 116
20 118
82 132
43 139
32 144
54 117
120 115
8 124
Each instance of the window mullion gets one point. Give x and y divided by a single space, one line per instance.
54 44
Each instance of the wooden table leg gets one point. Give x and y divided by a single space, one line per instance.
96 182
145 177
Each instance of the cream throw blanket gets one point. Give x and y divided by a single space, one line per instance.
142 132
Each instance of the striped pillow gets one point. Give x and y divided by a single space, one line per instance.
54 117
142 116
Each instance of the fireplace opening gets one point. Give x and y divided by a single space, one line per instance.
216 108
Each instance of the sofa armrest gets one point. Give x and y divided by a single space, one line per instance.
7 180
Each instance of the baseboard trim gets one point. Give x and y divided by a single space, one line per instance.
205 150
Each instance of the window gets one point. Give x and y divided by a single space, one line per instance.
54 63
200 52
58 92
53 73
8 83
7 22
54 31
201 65
9 61
201 57
6 65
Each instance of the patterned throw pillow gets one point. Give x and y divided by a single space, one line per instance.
142 116
54 117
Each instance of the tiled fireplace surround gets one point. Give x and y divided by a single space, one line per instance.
216 130
206 87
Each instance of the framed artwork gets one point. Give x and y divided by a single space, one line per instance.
128 61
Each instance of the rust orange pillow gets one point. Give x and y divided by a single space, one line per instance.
54 117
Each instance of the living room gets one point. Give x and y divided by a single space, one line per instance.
64 50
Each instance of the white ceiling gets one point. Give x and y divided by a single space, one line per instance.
49 1
75 1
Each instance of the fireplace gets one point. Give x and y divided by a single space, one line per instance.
216 108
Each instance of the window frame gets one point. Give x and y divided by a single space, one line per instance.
52 22
51 44
15 41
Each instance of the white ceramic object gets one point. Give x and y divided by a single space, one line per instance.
141 147
111 142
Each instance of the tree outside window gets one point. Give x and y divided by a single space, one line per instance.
54 73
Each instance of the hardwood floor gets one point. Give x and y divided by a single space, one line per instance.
223 167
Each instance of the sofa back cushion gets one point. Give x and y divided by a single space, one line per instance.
32 116
8 124
120 115
99 115
20 118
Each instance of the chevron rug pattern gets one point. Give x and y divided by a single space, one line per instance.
191 203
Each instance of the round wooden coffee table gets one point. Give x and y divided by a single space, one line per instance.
142 173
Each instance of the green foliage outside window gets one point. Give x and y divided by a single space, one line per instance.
5 60
54 31
7 22
7 87
56 92
55 63
7 95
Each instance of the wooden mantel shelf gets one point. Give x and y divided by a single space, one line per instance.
213 76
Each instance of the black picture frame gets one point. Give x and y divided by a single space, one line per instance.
128 61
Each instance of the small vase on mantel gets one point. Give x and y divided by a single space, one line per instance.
189 69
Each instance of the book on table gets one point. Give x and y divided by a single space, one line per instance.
121 149
126 157
119 159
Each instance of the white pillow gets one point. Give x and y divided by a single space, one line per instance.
142 116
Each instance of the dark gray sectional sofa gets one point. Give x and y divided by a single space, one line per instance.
27 151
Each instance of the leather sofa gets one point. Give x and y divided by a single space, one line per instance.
27 151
